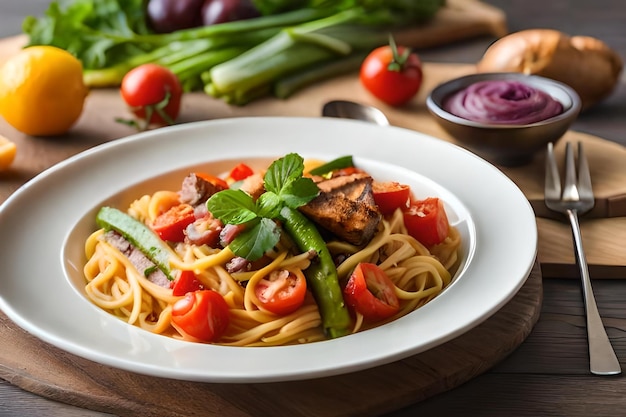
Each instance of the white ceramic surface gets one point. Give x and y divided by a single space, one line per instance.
43 226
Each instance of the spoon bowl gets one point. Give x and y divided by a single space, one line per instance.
345 109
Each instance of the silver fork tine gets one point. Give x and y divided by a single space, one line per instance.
570 191
553 180
585 190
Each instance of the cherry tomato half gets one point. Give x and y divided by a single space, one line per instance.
390 196
427 221
171 225
370 292
201 314
392 74
281 292
153 93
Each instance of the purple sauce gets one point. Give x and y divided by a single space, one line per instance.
502 102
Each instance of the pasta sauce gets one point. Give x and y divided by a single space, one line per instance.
503 102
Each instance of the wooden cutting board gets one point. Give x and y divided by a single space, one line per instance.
35 366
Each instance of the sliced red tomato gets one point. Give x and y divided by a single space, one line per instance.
390 196
371 293
240 172
216 181
202 314
186 282
282 292
427 221
171 225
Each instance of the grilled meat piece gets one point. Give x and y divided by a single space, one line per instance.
346 208
196 190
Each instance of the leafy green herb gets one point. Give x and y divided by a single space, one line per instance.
284 185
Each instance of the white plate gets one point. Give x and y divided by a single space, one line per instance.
43 226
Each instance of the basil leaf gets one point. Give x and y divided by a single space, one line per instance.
299 192
252 243
232 206
282 172
268 205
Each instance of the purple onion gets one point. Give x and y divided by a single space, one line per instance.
503 102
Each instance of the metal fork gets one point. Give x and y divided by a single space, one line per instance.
577 198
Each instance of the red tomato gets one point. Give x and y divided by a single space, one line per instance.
217 181
370 292
186 282
346 171
153 93
282 292
427 221
171 225
240 172
201 314
393 75
390 196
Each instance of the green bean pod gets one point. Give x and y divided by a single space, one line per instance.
321 275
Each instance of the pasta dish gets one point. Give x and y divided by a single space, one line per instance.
301 252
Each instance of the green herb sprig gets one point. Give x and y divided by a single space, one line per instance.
284 186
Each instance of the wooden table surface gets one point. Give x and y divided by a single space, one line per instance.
548 374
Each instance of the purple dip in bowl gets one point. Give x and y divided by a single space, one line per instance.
504 117
503 102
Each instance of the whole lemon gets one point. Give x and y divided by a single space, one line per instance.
42 92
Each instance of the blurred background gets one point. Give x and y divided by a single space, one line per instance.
574 17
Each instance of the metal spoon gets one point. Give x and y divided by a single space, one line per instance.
351 110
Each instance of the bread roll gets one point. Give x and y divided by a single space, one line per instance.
586 64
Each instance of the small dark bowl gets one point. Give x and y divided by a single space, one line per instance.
505 144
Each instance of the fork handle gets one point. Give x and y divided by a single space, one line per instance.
603 360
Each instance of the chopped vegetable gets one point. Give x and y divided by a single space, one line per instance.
171 225
371 293
281 292
237 60
240 172
390 196
427 221
139 235
203 315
